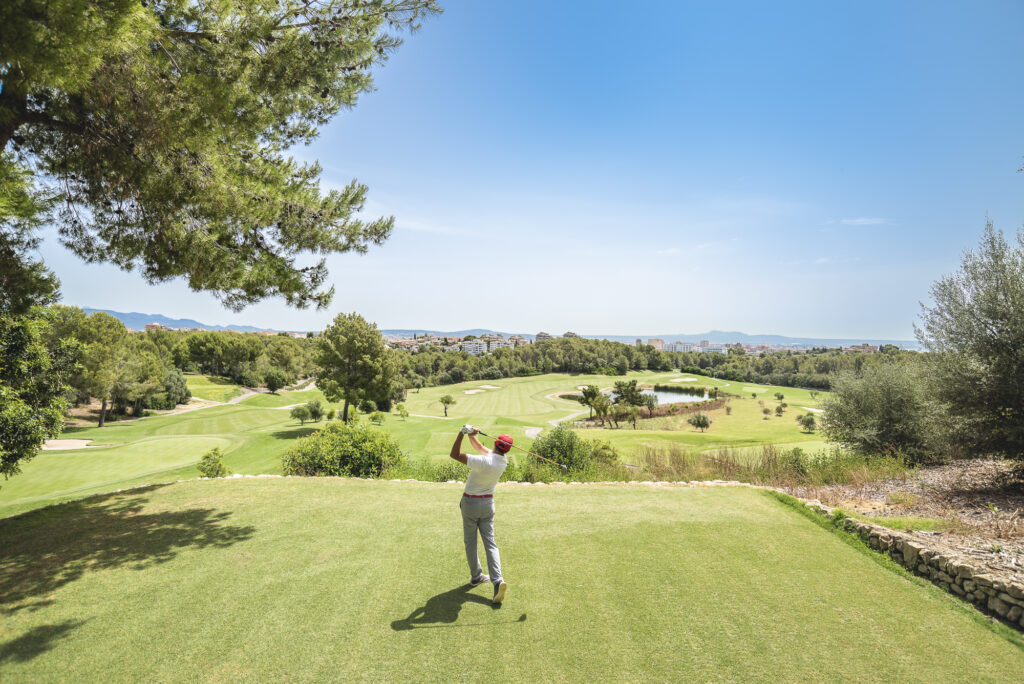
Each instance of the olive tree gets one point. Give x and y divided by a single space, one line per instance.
974 328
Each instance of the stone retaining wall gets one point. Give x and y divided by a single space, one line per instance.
957 574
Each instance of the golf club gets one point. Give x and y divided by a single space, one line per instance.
565 468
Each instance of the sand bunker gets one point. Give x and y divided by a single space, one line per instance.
489 386
684 380
65 444
812 410
473 392
533 432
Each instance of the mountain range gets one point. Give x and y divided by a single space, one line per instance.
138 321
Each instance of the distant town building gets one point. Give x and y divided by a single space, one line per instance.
570 334
150 327
863 348
705 343
639 342
680 347
518 340
475 347
541 336
657 343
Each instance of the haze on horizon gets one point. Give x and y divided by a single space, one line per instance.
798 169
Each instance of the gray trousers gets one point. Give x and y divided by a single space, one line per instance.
478 515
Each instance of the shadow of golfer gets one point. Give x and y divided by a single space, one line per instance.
443 608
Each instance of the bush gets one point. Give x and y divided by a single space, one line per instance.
275 379
300 413
250 378
330 414
355 450
212 464
367 406
564 446
315 409
176 388
883 409
701 421
377 417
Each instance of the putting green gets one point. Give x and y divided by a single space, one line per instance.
340 580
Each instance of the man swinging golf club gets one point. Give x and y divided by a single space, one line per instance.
478 504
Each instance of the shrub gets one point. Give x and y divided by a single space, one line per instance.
356 450
377 417
176 388
807 422
300 413
402 411
701 421
564 446
212 464
315 409
728 410
367 406
330 414
250 378
275 379
883 409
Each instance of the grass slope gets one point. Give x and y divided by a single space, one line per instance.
211 387
327 579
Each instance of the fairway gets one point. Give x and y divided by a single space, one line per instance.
254 432
342 580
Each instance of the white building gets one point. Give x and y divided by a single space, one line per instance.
541 336
680 347
657 343
475 347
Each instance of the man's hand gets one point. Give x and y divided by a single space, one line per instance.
469 430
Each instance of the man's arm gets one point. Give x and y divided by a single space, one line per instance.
457 450
477 445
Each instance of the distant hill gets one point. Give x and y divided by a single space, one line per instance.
138 321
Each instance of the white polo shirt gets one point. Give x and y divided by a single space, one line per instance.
484 472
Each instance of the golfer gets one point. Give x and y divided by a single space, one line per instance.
478 505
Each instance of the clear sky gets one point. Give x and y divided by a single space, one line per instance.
799 168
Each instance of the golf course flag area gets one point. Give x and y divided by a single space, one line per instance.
327 579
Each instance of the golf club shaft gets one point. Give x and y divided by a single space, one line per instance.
531 453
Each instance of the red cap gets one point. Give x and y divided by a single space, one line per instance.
503 443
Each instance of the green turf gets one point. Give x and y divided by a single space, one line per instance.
255 432
211 387
342 580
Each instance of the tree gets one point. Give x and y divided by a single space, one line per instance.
975 329
446 401
301 414
33 386
634 414
275 380
651 402
602 406
104 338
402 411
627 392
767 412
882 409
700 421
354 363
779 410
315 410
590 393
377 417
212 464
620 413
779 396
165 125
807 422
728 410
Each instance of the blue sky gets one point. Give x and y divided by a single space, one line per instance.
799 168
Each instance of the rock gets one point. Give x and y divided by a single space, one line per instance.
969 585
983 580
1006 598
964 571
923 569
1015 591
911 552
998 607
957 589
1015 613
943 577
999 585
979 595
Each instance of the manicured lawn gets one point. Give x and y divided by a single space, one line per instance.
342 580
254 432
211 387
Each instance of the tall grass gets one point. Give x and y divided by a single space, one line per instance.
769 466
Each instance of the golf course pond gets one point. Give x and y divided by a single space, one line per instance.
671 397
